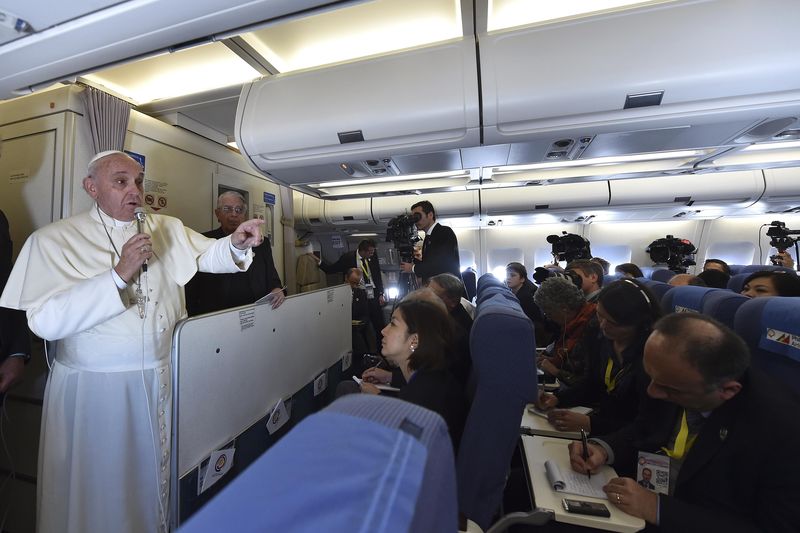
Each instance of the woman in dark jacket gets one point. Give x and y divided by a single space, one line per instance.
416 340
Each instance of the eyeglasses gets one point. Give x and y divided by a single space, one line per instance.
228 210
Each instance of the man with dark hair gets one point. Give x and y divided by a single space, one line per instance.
440 248
727 441
591 274
212 292
449 289
714 278
717 264
365 259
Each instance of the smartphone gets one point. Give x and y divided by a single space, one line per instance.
588 508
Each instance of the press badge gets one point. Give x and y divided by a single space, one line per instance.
652 472
370 291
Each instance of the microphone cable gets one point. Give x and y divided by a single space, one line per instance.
162 519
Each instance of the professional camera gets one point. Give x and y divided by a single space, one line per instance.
781 239
402 231
540 274
569 247
676 253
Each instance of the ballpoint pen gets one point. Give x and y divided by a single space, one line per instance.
585 453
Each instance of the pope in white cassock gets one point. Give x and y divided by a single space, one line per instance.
105 436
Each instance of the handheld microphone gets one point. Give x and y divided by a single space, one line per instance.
140 214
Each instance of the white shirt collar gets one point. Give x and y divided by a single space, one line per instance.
429 230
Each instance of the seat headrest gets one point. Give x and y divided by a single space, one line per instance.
363 464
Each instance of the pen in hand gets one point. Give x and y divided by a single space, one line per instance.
585 453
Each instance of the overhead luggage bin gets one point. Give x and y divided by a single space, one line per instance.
348 212
783 190
692 74
459 204
332 122
543 198
739 188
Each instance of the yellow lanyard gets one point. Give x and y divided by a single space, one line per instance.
365 264
611 382
683 442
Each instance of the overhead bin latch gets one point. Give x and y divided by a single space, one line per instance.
354 136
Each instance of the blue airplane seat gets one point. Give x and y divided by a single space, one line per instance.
662 274
722 305
737 281
686 298
488 286
469 277
365 463
658 288
504 369
771 328
610 278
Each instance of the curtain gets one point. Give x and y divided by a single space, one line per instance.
108 119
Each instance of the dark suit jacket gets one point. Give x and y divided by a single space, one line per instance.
211 292
14 336
440 392
439 254
741 474
349 260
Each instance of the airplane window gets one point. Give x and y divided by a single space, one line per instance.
499 258
543 256
732 252
466 259
614 254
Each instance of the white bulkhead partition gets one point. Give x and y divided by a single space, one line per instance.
428 101
526 200
573 77
348 212
459 204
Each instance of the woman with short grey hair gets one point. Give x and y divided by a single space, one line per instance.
565 304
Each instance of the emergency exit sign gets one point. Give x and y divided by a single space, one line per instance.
269 198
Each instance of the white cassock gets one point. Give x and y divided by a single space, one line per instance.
105 436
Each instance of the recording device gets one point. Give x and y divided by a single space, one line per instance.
587 508
540 274
569 247
402 231
676 253
781 239
140 214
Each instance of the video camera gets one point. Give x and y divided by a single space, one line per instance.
402 231
676 253
781 239
540 274
569 247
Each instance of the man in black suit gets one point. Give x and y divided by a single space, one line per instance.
732 440
211 292
365 259
439 249
15 347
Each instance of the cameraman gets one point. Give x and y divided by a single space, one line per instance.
591 275
439 249
783 259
